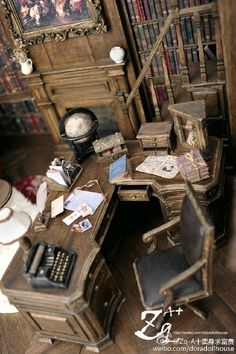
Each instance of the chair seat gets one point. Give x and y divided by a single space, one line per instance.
150 275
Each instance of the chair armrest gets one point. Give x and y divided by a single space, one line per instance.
182 276
149 236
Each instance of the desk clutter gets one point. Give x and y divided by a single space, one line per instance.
62 174
163 166
49 266
192 166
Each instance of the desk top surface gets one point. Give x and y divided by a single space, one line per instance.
84 244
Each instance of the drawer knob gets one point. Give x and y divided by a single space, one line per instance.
154 139
154 144
105 304
90 275
96 288
133 196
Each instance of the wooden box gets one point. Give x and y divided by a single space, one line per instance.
156 137
190 126
110 147
216 108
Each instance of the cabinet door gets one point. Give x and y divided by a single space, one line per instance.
57 324
102 300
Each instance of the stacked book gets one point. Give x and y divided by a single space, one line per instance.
192 166
120 170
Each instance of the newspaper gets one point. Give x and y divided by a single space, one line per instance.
163 166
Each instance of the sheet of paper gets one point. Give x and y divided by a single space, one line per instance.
75 199
57 177
72 217
85 209
163 166
57 206
41 196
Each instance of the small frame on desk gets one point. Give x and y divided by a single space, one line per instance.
31 22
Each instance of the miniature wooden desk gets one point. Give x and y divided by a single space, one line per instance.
83 312
170 192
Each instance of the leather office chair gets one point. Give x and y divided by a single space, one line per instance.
183 273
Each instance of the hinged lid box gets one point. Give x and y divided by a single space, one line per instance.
110 147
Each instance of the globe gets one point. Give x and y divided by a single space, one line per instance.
79 124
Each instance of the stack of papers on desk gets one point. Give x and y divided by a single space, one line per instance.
192 166
78 197
57 174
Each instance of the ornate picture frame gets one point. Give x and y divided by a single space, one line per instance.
36 21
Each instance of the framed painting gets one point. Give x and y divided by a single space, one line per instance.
35 21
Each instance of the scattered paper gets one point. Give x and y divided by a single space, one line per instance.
85 209
85 225
78 197
76 228
56 176
72 217
62 171
163 166
57 206
41 196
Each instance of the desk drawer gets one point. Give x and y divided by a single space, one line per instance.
134 194
103 298
155 142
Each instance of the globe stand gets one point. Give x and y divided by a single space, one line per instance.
82 150
81 144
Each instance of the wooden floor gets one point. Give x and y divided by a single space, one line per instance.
17 337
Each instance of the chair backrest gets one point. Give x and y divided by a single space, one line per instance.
196 231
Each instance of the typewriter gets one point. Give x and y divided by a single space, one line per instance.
49 266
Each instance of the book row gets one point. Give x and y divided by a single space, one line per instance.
22 125
11 82
161 93
147 34
17 108
171 57
7 62
146 10
172 60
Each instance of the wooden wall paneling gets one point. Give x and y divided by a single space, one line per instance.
40 57
45 105
56 60
227 13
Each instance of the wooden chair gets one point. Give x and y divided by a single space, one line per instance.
183 273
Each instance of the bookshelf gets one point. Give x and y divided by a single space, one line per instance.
191 52
19 115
